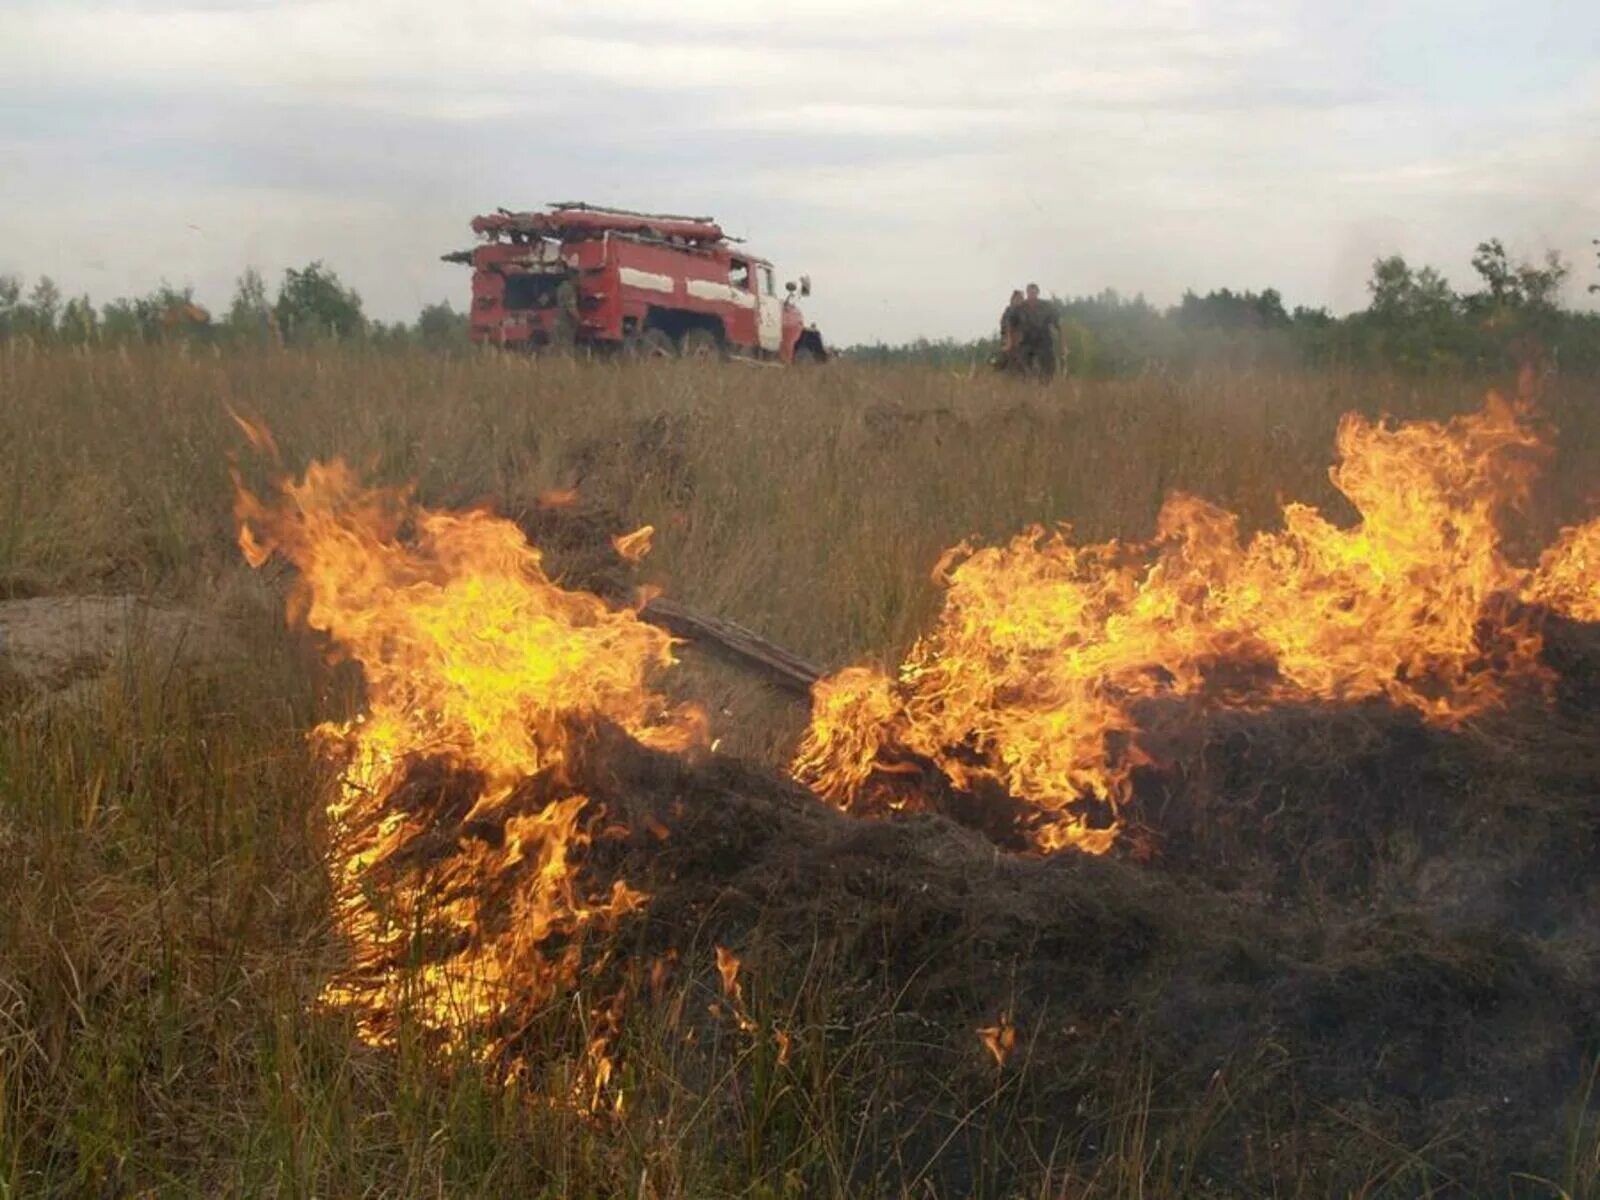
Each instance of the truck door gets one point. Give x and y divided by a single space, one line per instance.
769 311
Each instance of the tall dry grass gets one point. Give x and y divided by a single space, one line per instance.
810 505
162 912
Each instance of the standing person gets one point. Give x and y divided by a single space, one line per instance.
1038 329
564 328
1010 332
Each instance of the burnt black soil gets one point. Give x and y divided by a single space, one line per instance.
1354 935
1340 949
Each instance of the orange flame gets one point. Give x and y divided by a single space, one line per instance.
558 497
473 660
1045 647
1568 577
258 435
634 546
999 1039
728 965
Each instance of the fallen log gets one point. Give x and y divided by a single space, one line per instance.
734 644
581 537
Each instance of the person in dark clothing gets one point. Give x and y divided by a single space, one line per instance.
1010 332
564 329
1037 327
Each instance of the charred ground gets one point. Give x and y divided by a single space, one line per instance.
1352 931
1332 931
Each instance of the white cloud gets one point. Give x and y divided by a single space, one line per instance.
919 157
882 53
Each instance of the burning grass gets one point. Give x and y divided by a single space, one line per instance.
1045 647
1340 945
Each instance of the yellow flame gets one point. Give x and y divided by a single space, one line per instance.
1044 647
728 968
999 1039
471 658
1568 576
634 546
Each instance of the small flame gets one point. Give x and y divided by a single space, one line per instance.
1568 576
634 546
1045 646
259 437
999 1039
558 498
728 965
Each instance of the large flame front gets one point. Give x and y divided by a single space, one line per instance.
1045 647
477 671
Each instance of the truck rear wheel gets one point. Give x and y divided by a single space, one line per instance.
652 343
699 343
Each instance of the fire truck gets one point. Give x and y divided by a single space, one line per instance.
630 283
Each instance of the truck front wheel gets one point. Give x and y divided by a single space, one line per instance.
652 343
699 343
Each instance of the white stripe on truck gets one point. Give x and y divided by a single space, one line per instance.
648 280
710 289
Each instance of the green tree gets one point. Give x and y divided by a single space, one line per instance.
1401 296
79 324
250 314
166 311
1541 285
1516 317
120 321
1510 285
313 304
1230 310
10 298
440 327
1414 319
394 335
1493 266
34 317
44 305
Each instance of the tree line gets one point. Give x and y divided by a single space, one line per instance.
1414 321
311 306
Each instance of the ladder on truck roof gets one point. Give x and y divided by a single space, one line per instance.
606 209
567 219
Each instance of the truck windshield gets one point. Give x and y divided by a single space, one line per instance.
531 291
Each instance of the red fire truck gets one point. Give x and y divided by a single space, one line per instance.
644 284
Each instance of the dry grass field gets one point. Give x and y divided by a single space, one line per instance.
164 926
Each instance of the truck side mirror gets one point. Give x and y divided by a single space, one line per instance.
805 285
790 286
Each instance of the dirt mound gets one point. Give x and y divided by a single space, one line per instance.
50 643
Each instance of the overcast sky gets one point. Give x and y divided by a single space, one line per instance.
917 158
